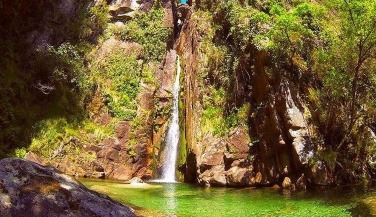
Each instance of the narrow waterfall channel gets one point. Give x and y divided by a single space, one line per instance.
172 137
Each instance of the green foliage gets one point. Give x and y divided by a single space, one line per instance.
87 25
325 48
97 19
118 76
62 65
238 18
345 68
212 121
289 35
148 30
62 135
327 156
20 152
41 81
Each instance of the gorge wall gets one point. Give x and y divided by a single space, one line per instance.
280 146
245 120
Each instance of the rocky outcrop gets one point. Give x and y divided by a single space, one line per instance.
281 145
123 10
187 46
29 189
284 143
226 162
123 157
125 154
212 167
297 128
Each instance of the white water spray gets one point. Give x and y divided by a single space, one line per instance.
172 138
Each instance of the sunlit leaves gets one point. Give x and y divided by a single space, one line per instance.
148 30
239 19
118 76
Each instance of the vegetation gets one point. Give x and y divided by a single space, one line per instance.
146 29
324 48
59 81
44 79
59 137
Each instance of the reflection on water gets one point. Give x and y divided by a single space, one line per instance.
169 193
166 199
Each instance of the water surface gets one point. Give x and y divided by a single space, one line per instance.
162 199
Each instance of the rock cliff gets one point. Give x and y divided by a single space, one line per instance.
272 144
245 120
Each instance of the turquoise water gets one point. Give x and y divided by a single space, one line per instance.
187 200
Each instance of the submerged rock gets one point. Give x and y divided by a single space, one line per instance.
29 189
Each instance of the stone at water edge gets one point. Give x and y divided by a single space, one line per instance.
136 180
286 184
29 189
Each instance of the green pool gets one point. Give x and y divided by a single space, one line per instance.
187 200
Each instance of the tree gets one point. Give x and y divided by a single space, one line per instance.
358 37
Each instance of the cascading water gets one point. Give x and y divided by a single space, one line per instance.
172 137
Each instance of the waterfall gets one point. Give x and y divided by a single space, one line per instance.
172 137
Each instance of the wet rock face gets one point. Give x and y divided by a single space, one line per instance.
29 189
187 46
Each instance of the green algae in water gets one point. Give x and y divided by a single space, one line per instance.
187 200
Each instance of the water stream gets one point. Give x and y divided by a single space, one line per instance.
172 137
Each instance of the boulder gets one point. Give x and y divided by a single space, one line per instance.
301 183
29 189
238 144
121 172
286 184
237 176
135 180
319 174
123 9
215 176
213 154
